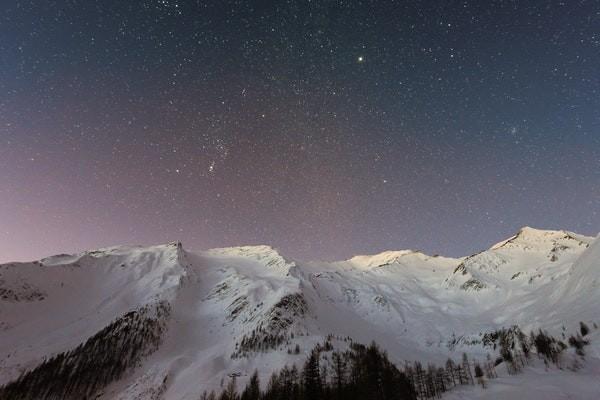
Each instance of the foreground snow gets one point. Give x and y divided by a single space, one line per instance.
234 310
538 382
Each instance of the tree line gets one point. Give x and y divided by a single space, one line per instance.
362 372
82 372
273 332
365 372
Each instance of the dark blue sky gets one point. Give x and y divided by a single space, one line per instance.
323 128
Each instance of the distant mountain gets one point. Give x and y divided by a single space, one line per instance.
164 322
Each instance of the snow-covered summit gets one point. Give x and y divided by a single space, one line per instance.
539 239
387 258
265 255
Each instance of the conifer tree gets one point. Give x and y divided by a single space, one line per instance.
312 377
467 368
252 390
339 374
583 328
230 392
479 375
450 371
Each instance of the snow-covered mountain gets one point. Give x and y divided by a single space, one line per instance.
181 321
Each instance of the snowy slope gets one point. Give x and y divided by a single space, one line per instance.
50 306
233 310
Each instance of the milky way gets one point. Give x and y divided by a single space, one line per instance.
323 128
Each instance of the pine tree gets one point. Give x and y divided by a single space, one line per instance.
230 392
578 343
583 328
312 377
252 390
450 367
525 345
479 375
490 367
373 368
420 379
273 391
467 368
295 383
339 374
442 380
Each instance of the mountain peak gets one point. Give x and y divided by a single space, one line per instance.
245 250
535 232
532 237
384 258
265 254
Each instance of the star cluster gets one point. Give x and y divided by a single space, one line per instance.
325 128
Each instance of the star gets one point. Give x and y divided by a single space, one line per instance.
190 101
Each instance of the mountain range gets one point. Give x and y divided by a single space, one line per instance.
178 322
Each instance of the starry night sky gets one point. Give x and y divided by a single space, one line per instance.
324 128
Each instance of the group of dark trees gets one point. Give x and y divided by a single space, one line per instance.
273 331
362 372
103 358
359 373
365 372
577 341
515 347
431 381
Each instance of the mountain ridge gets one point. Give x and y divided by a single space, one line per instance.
266 248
